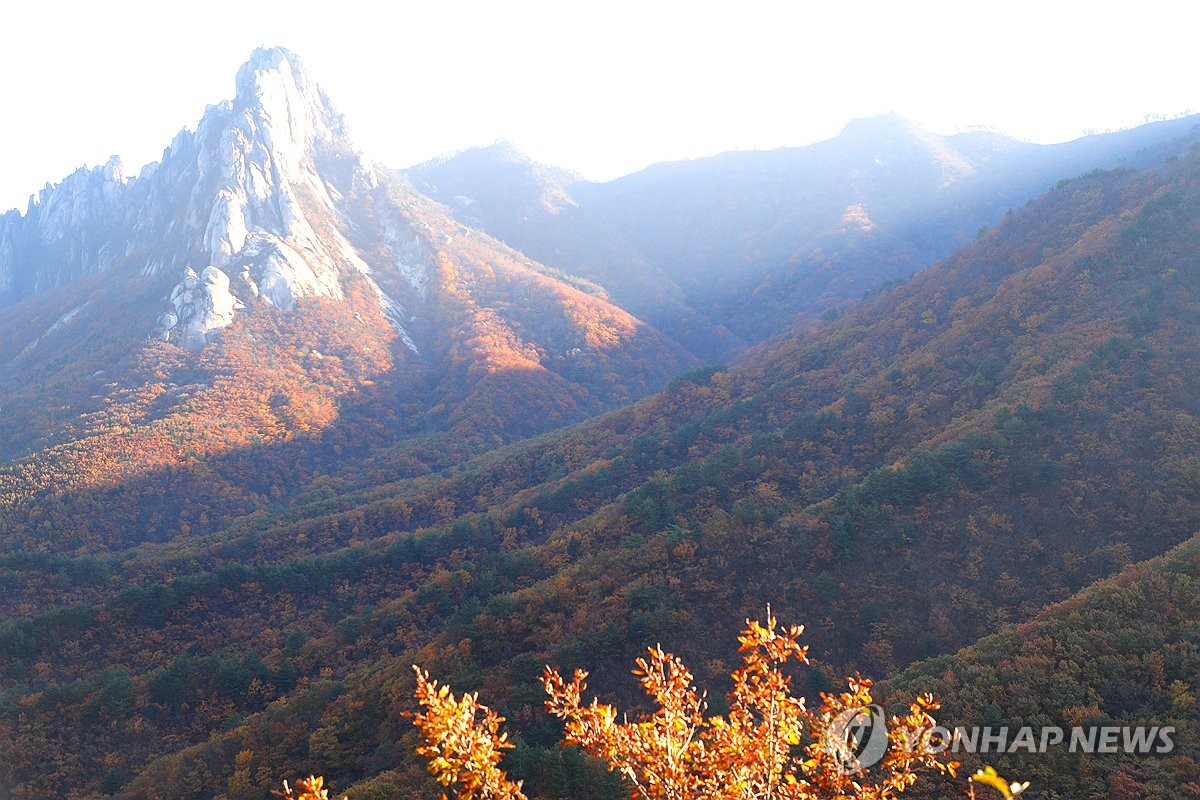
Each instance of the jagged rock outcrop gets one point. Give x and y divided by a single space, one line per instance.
267 160
254 192
70 230
200 304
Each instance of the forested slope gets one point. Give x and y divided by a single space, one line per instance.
1014 423
1123 652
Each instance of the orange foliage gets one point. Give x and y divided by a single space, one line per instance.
310 788
462 746
769 745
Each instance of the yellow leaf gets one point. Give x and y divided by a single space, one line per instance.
989 777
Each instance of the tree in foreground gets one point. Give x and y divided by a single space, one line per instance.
770 744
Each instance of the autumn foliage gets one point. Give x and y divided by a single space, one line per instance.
310 788
463 742
1003 430
769 745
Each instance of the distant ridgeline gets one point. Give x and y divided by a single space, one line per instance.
277 426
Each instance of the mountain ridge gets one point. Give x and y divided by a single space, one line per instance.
259 217
797 233
219 561
1038 377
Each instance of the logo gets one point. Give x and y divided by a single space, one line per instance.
1141 740
858 738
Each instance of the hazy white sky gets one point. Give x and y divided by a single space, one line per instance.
604 88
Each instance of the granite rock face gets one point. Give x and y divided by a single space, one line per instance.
76 228
200 304
254 193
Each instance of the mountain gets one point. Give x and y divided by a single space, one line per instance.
265 286
277 426
726 251
1011 425
533 207
240 195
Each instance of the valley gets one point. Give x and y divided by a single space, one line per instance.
933 397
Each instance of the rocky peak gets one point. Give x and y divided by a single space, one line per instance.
278 148
69 230
274 87
255 194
